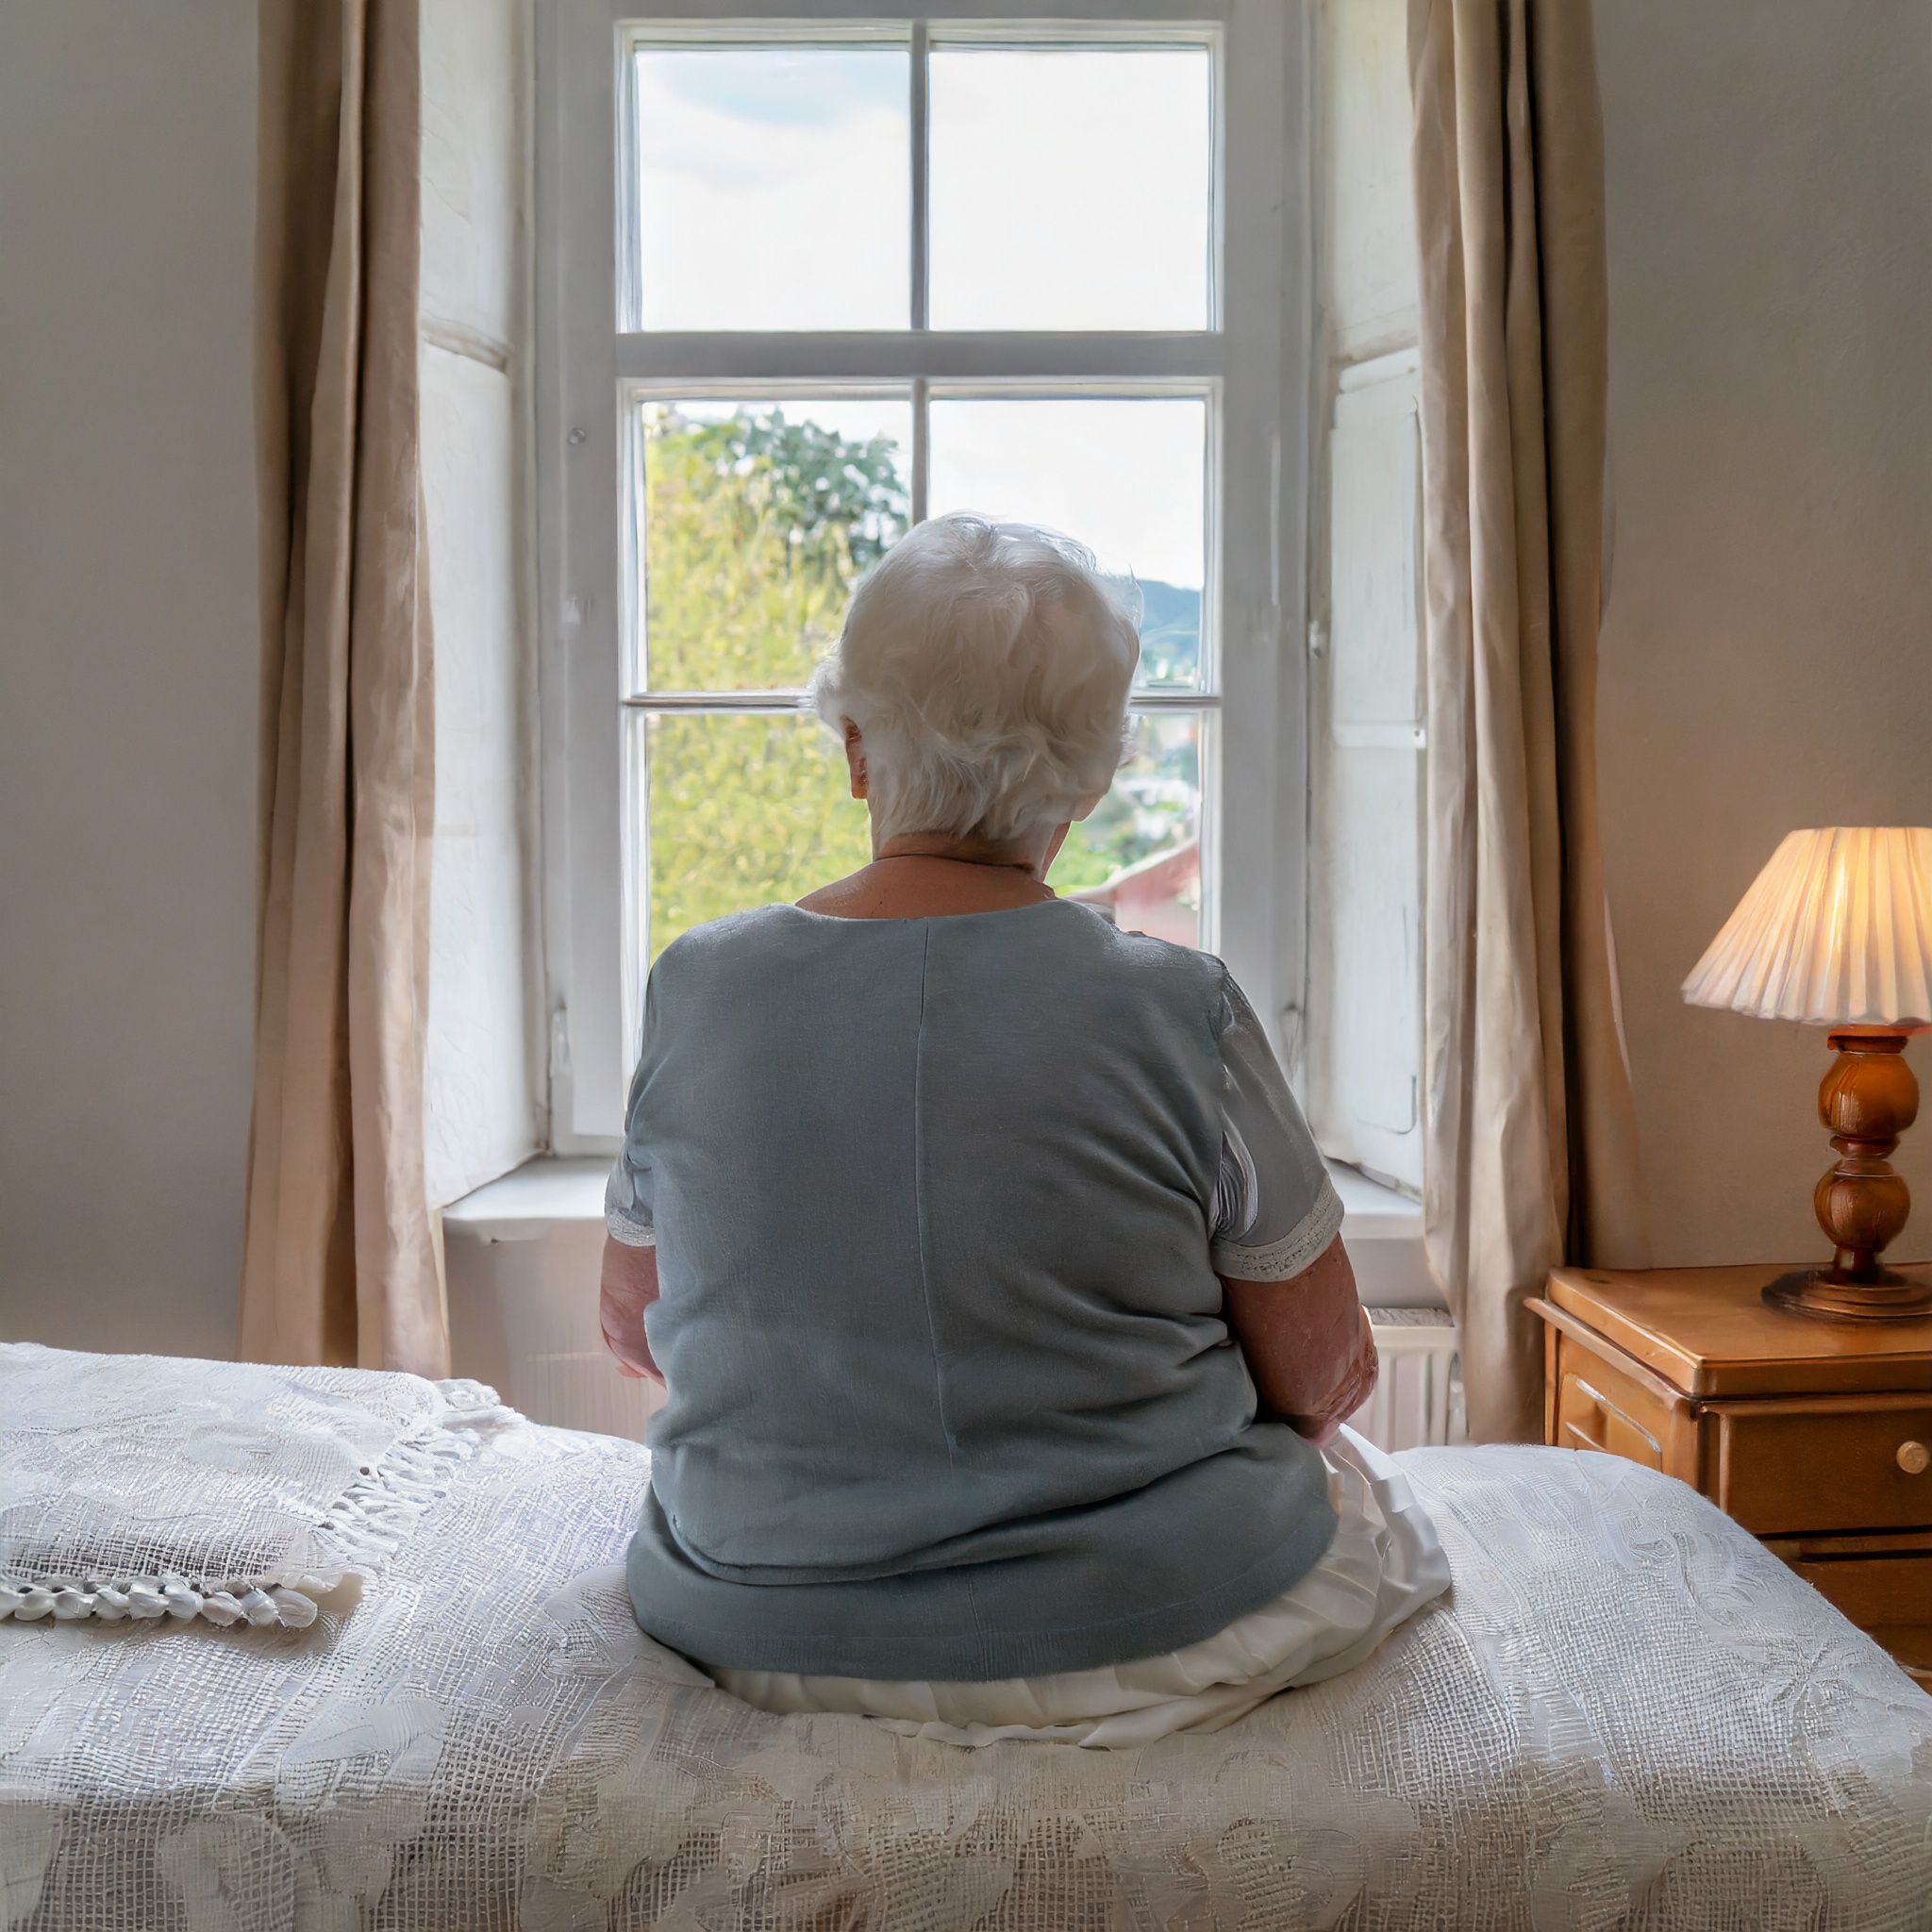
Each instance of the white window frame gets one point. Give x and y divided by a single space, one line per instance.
1252 362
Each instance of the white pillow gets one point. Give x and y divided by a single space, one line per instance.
150 1486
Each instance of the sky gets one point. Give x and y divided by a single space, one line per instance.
1069 190
1123 475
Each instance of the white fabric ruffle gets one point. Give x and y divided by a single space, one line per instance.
1384 1563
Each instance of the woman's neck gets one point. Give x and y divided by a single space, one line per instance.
931 876
1030 855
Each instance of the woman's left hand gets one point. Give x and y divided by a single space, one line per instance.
629 1285
1359 1385
1307 1342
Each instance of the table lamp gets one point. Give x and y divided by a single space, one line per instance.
1836 931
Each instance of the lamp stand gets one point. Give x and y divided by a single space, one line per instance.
1868 1099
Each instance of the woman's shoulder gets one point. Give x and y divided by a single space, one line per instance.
737 937
1072 946
1141 953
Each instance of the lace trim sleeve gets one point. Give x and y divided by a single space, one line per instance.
1297 1250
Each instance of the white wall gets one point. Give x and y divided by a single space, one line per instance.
1767 644
129 668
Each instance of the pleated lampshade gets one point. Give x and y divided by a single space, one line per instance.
1837 930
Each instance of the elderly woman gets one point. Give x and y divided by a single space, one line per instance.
986 1259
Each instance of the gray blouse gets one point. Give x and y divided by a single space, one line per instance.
940 1207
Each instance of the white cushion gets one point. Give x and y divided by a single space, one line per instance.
145 1487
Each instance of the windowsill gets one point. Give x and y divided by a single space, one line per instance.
1372 1212
535 1200
1383 1232
545 1196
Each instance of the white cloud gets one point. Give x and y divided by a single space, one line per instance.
755 218
1070 190
1123 475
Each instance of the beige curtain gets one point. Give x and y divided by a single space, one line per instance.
1530 1143
341 1263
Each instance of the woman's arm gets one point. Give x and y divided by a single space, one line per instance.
629 1287
1308 1344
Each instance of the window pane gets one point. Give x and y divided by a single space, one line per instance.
759 518
1123 475
1139 854
1070 189
773 188
741 811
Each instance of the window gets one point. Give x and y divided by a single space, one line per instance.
811 279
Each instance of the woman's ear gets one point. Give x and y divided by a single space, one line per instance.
855 758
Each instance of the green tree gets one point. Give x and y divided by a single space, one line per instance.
757 529
1151 807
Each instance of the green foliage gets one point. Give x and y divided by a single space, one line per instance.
1151 807
745 811
834 498
756 530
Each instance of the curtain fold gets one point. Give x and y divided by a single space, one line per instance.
1530 1142
340 1263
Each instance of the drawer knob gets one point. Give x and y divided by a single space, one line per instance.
1914 1458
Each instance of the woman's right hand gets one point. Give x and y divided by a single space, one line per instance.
629 1286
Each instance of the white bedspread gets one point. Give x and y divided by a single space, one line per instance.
1626 1713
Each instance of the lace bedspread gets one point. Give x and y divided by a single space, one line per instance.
1625 1714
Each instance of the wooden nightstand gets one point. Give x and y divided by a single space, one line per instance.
1816 1435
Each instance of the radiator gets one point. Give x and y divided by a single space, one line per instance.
1417 1397
522 1317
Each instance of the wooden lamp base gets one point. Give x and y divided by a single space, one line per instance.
1868 1099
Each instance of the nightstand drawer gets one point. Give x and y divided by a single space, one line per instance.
1883 1584
1785 1467
1886 1590
1596 1397
1598 1406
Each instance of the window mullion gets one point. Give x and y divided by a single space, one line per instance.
665 361
921 197
922 246
719 703
922 399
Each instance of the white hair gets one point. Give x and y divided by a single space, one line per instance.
986 668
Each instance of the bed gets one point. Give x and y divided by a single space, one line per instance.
1625 1714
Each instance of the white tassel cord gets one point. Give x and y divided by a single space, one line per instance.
364 1526
367 1523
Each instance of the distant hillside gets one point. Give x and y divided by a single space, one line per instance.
1170 633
